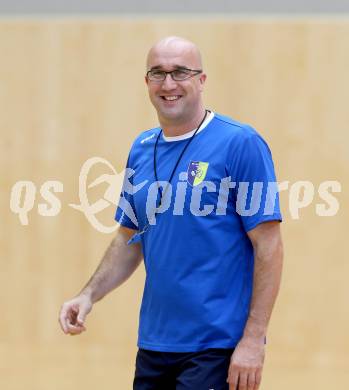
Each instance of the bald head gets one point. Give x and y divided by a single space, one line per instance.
180 48
176 98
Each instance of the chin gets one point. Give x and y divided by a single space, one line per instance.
171 114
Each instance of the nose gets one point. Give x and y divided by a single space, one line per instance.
168 84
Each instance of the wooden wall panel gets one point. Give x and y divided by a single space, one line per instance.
71 90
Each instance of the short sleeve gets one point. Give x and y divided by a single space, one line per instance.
256 191
125 212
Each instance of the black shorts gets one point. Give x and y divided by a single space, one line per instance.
203 370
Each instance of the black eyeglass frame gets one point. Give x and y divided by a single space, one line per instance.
193 72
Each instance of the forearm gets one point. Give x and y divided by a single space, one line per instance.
266 283
118 263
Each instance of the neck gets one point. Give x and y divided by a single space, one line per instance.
171 129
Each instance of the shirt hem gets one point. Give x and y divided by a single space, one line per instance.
185 348
122 222
275 217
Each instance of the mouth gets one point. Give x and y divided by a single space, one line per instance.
171 98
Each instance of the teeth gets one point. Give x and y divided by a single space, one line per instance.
171 97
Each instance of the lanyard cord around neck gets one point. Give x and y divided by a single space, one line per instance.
137 237
178 160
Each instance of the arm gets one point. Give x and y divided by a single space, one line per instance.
117 265
247 360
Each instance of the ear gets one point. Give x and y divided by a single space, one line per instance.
146 79
203 78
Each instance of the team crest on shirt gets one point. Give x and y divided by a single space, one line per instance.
197 172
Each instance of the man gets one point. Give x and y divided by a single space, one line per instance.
213 265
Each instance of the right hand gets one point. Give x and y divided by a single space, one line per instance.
73 313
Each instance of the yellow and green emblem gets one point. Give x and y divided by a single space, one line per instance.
197 172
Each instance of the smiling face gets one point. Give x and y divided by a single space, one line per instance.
176 102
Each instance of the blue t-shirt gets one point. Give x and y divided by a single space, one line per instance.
198 258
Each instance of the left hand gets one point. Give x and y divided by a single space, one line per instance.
246 364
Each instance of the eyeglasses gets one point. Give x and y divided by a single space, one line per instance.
176 74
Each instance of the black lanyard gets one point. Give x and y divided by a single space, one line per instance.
162 194
137 237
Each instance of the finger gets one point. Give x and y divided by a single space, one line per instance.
72 315
233 379
81 316
75 329
258 378
63 325
72 322
80 328
251 380
242 381
63 319
229 373
68 322
233 385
